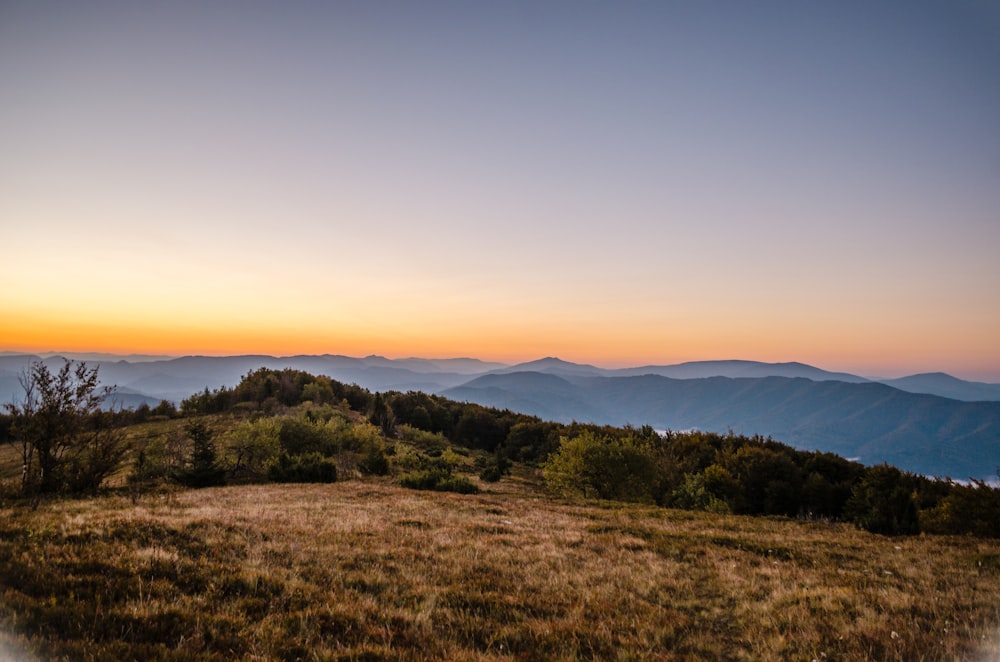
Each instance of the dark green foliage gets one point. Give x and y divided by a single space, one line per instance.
421 419
532 441
883 502
604 467
300 435
306 468
496 468
696 470
374 462
204 469
828 484
478 428
435 473
770 481
270 391
165 409
381 416
967 509
438 480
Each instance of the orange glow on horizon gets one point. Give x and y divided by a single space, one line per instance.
510 343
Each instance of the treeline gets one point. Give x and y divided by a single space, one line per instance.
695 470
349 427
758 476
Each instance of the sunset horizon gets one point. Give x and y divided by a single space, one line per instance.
867 370
611 185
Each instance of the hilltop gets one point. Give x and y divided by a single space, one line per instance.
407 526
954 433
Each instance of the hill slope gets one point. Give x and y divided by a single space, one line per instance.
365 570
869 421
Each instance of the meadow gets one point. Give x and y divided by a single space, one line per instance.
363 569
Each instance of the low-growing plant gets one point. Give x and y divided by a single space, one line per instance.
252 447
436 473
305 468
438 480
374 461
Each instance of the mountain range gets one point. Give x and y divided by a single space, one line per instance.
933 423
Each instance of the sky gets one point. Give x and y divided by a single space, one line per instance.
619 183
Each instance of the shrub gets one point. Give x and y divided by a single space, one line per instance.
693 494
968 509
253 447
374 462
604 467
438 480
883 502
436 473
305 468
496 468
66 442
301 435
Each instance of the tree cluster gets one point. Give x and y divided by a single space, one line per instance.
757 476
69 444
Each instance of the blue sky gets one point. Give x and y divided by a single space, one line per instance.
617 183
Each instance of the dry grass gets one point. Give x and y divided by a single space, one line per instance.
368 570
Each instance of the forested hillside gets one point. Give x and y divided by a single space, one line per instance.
294 515
872 422
291 426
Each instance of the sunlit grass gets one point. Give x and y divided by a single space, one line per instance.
368 570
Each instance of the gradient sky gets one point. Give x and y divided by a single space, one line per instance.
620 183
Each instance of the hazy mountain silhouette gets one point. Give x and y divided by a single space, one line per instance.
793 402
554 366
945 385
869 421
736 368
176 379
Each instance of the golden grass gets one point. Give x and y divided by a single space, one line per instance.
368 570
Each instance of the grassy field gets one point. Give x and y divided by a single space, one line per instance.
369 570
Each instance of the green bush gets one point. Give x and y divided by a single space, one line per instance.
968 509
374 462
436 473
253 447
604 467
694 494
496 467
305 468
883 502
438 479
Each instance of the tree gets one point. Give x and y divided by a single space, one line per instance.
205 469
67 443
380 414
592 465
882 502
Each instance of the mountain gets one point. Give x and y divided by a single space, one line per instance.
177 378
945 385
870 421
735 368
554 366
792 402
937 383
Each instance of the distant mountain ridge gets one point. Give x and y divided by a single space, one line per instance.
176 378
873 422
951 429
